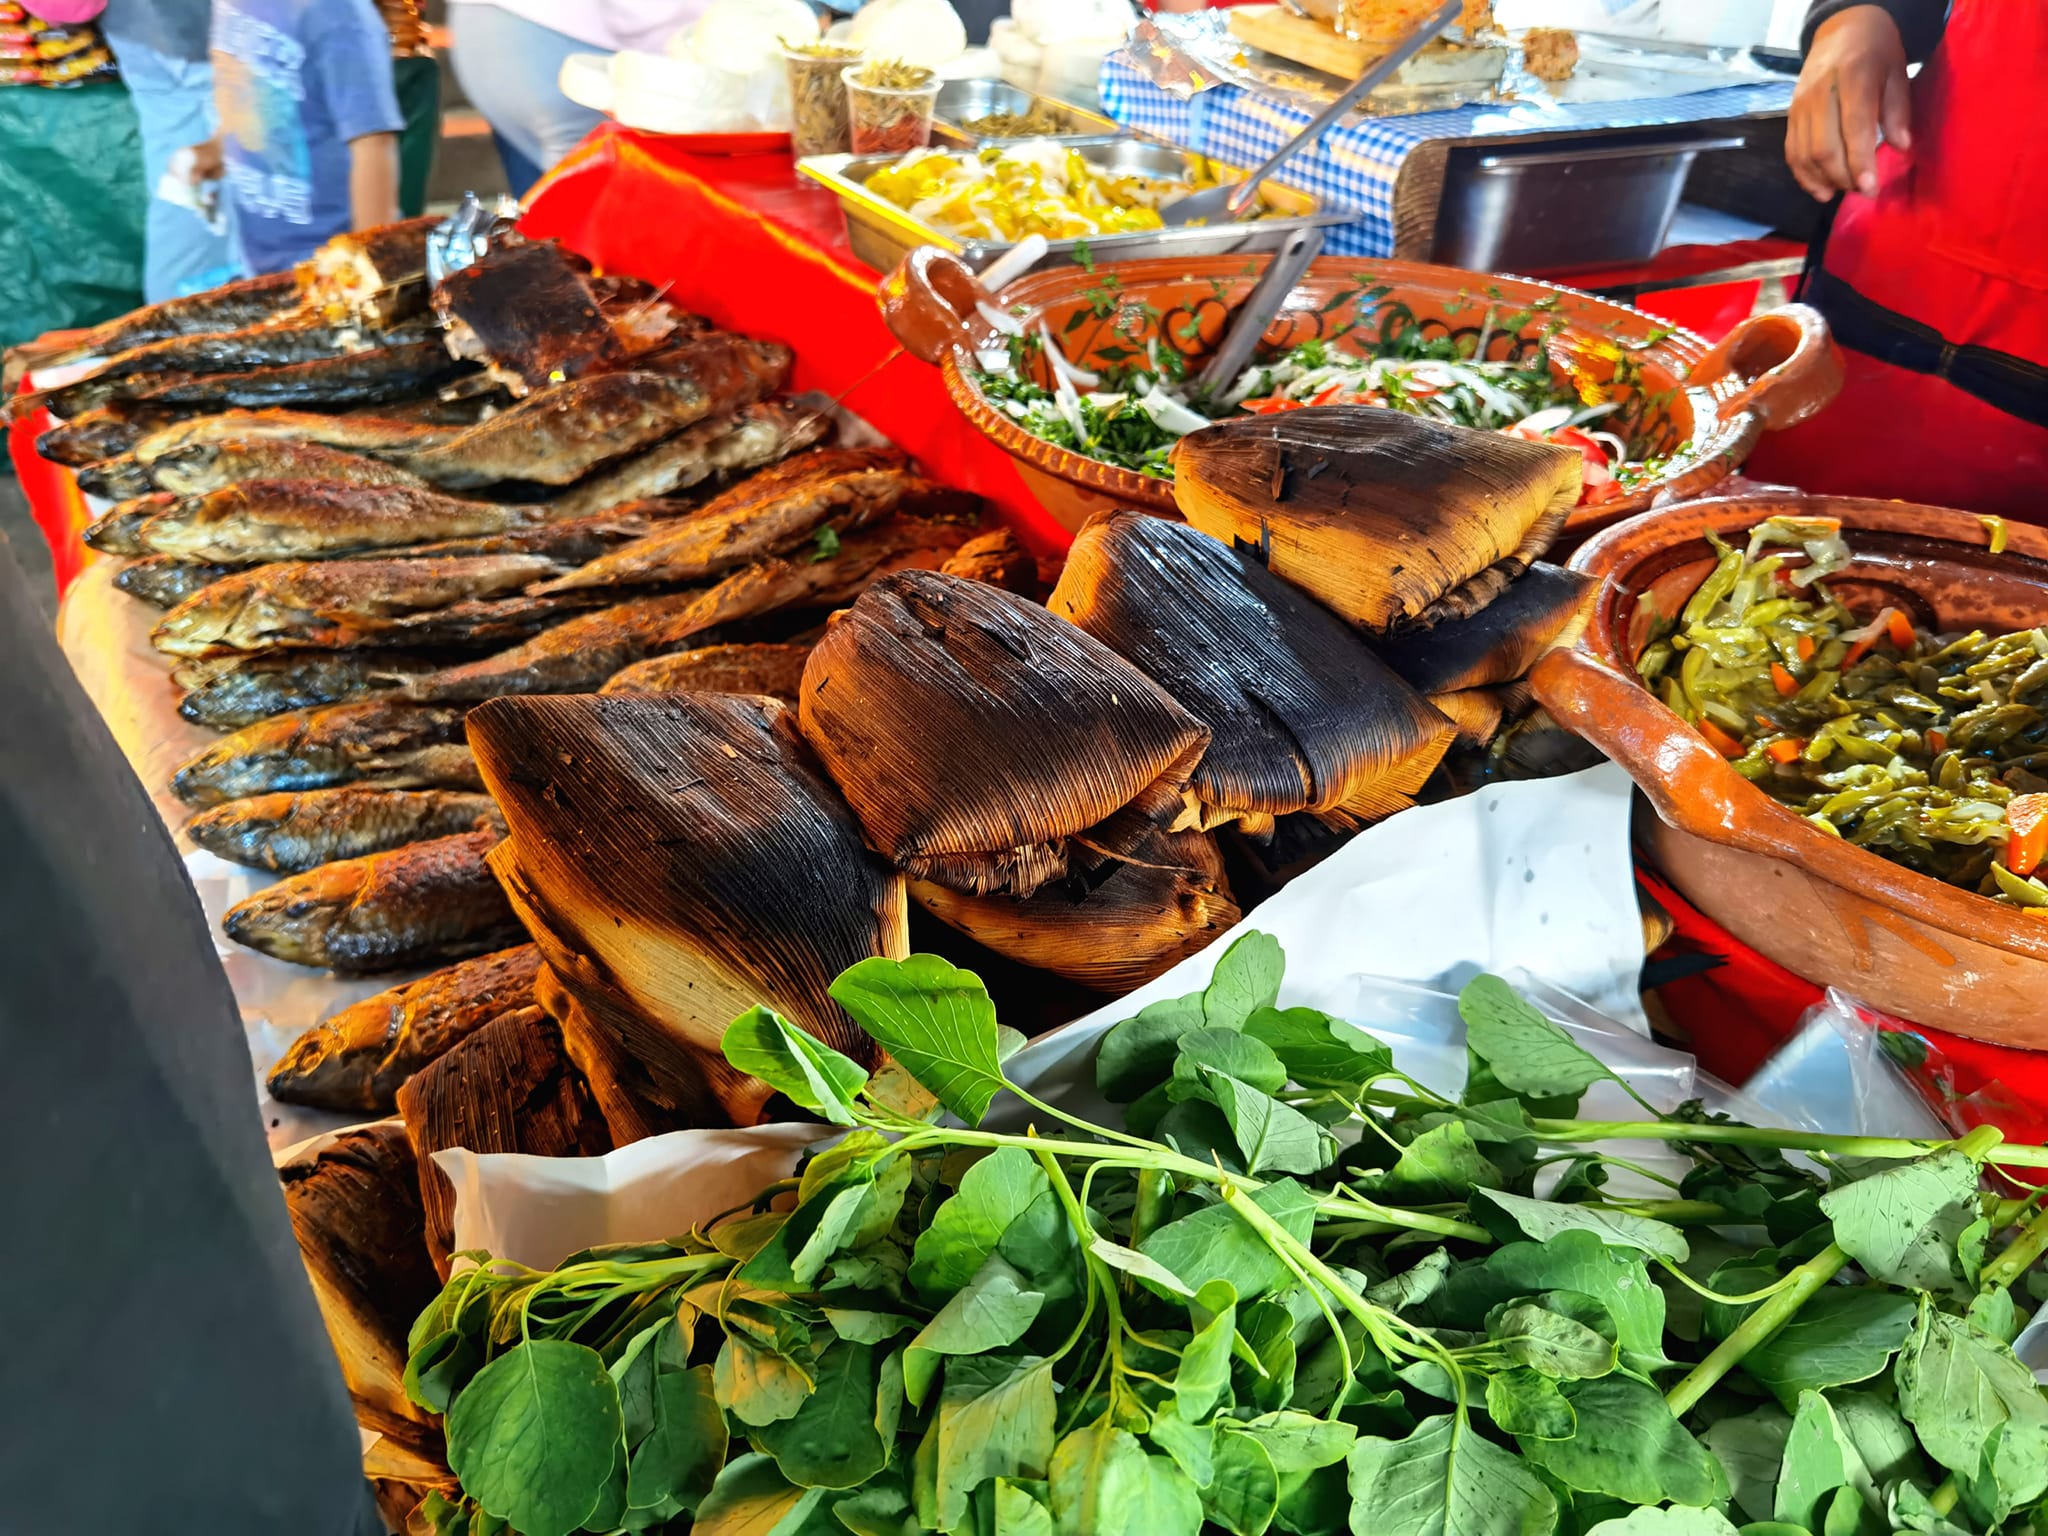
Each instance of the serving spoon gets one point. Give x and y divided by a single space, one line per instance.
1233 200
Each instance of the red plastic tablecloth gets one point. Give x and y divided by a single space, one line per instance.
745 241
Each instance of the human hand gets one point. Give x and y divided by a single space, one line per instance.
1853 83
207 163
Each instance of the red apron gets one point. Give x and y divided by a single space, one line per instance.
1956 238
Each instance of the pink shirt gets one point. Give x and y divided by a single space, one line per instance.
607 24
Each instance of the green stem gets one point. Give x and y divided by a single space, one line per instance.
1680 1213
1774 1313
2009 1156
2019 1255
1766 1320
1155 1191
1943 1499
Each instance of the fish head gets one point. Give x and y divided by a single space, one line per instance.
325 1065
203 621
291 919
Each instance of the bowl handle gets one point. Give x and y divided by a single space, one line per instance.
1787 360
927 300
1689 784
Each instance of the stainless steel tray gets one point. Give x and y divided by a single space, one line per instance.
962 101
882 233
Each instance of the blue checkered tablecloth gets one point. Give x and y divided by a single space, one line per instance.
1359 161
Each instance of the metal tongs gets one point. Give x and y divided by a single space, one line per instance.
468 233
1233 201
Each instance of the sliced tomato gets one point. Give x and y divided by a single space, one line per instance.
1267 405
2026 818
1589 449
1591 495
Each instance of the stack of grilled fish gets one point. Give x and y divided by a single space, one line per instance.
368 505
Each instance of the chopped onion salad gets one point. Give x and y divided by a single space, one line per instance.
1929 749
1132 414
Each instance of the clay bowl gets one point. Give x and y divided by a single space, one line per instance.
1822 908
1703 408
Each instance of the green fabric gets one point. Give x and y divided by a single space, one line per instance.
72 192
418 84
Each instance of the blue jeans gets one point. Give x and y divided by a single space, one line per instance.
507 66
174 105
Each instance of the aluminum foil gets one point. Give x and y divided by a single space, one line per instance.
468 233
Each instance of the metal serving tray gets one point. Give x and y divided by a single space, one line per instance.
963 101
881 234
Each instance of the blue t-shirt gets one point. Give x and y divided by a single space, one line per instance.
295 81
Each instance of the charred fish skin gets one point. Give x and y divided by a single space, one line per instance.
571 543
388 741
357 378
337 604
164 582
198 468
258 521
356 1059
762 433
231 692
98 435
775 671
559 434
414 905
289 833
229 307
367 434
526 313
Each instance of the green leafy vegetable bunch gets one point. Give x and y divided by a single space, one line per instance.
1295 1291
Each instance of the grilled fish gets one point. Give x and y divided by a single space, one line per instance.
526 313
760 434
356 1059
558 435
103 434
226 308
116 479
384 741
164 582
119 530
229 692
775 670
372 434
334 603
414 905
767 514
258 520
204 467
567 544
293 832
582 653
358 378
368 272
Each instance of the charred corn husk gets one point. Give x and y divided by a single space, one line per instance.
1544 607
998 558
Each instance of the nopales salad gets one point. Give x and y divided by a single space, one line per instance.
1293 1290
1132 412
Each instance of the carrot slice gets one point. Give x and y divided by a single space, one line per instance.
1900 628
1937 742
1782 678
2027 818
1720 740
1785 751
1806 647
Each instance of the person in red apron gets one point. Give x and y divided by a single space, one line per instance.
1935 276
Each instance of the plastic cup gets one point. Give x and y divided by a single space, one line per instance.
817 94
888 120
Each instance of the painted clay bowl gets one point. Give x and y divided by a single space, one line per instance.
1700 410
1823 908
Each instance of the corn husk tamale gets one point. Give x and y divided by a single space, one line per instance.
986 745
355 1209
1301 716
1546 606
680 858
1477 713
624 1092
1166 901
1389 520
510 1087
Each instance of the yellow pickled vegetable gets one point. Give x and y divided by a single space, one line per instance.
1033 187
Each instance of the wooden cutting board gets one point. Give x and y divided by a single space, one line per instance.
1304 40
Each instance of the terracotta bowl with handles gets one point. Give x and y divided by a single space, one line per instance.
1823 908
1700 408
